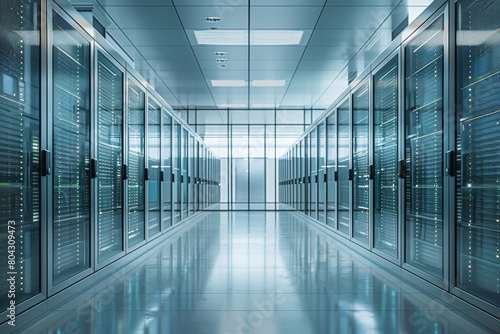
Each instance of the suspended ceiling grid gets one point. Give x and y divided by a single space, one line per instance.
339 39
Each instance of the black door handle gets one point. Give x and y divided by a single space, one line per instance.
372 172
351 174
94 166
450 163
146 174
162 176
46 163
125 172
401 169
336 176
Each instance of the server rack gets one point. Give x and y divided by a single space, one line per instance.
136 160
476 143
331 171
70 228
343 168
424 151
166 170
360 173
386 86
23 136
109 159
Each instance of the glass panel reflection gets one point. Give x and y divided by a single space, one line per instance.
154 190
331 208
110 186
386 157
321 171
343 168
176 171
136 163
360 163
424 150
478 144
166 155
20 145
71 180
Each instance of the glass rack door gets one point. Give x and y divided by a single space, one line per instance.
321 171
302 180
166 156
136 165
20 145
110 157
343 155
184 175
176 171
192 143
331 170
154 158
385 99
478 144
313 173
424 150
360 163
71 145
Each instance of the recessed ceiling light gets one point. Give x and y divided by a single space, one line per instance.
240 37
220 53
229 83
222 65
235 106
221 60
268 83
213 19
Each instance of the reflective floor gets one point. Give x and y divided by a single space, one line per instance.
253 272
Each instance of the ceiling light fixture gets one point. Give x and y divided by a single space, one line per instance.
268 83
213 19
220 53
229 83
222 65
221 60
240 37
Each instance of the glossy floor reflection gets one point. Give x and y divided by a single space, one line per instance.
253 272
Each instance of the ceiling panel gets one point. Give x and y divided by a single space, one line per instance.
232 17
290 18
135 3
166 53
353 18
156 37
154 17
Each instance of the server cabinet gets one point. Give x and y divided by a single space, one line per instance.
20 144
70 241
331 170
313 140
176 171
303 188
424 92
477 184
307 170
136 164
385 134
344 171
360 163
321 172
110 158
166 169
296 175
184 172
190 179
153 167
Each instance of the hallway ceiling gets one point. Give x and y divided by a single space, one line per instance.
301 52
